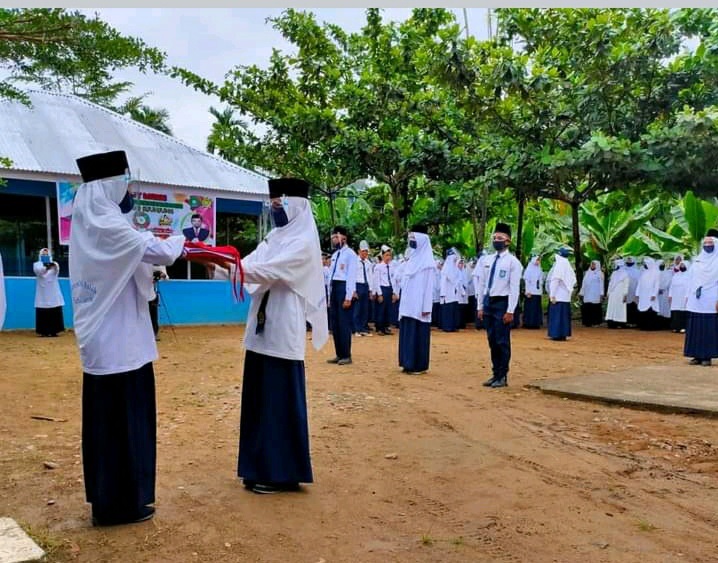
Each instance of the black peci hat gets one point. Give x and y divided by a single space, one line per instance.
503 228
292 187
340 230
103 165
419 228
712 233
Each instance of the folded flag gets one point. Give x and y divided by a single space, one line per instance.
223 256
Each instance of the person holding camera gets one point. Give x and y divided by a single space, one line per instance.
48 297
158 273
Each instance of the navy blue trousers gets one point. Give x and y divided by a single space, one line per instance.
450 317
119 437
701 336
342 320
383 309
361 308
499 335
559 320
414 344
533 313
273 429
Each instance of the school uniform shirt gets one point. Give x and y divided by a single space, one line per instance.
481 274
47 288
385 275
343 268
365 267
533 279
435 297
104 353
563 280
678 291
592 286
506 282
327 280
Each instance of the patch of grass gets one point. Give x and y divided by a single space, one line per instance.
646 526
426 539
458 540
52 545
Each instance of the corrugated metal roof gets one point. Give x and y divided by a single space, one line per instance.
60 128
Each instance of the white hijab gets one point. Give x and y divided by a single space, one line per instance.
618 275
591 276
532 272
450 270
105 254
704 269
421 258
3 302
648 285
299 237
563 271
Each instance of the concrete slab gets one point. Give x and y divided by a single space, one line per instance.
15 545
668 388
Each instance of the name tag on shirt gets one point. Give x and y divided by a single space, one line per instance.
341 266
502 273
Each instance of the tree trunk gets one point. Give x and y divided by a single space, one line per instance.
520 225
484 208
396 209
475 224
577 242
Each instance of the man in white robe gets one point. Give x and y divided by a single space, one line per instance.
616 315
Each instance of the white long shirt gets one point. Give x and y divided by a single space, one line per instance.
707 301
678 291
592 287
506 282
47 286
124 340
417 296
367 265
343 268
385 275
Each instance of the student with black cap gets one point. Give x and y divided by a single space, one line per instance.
341 292
499 297
111 281
284 277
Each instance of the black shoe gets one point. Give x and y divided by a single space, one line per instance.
387 332
145 513
706 363
695 362
489 382
248 484
273 488
334 360
501 382
344 361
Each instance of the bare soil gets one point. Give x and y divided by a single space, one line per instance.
407 468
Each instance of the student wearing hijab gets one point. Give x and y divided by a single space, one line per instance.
533 292
631 300
451 277
417 288
284 277
499 296
111 283
436 298
341 296
701 342
677 297
617 294
563 280
463 294
664 305
48 297
647 295
591 294
385 290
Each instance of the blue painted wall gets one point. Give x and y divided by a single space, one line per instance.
182 302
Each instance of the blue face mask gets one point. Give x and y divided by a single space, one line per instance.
564 252
45 258
127 203
499 245
412 244
279 217
708 248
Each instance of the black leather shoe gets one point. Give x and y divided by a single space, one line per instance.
695 362
489 382
334 360
145 513
501 382
273 488
706 363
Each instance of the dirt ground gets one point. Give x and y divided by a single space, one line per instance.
407 468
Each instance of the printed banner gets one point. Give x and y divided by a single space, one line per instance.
161 211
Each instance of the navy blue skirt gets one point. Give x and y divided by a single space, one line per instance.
119 440
559 320
436 314
533 314
274 431
414 344
701 336
449 317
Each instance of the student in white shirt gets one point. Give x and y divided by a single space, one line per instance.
451 281
677 297
533 292
591 294
48 297
616 313
701 342
364 281
417 288
499 295
563 280
284 278
341 296
111 284
385 290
